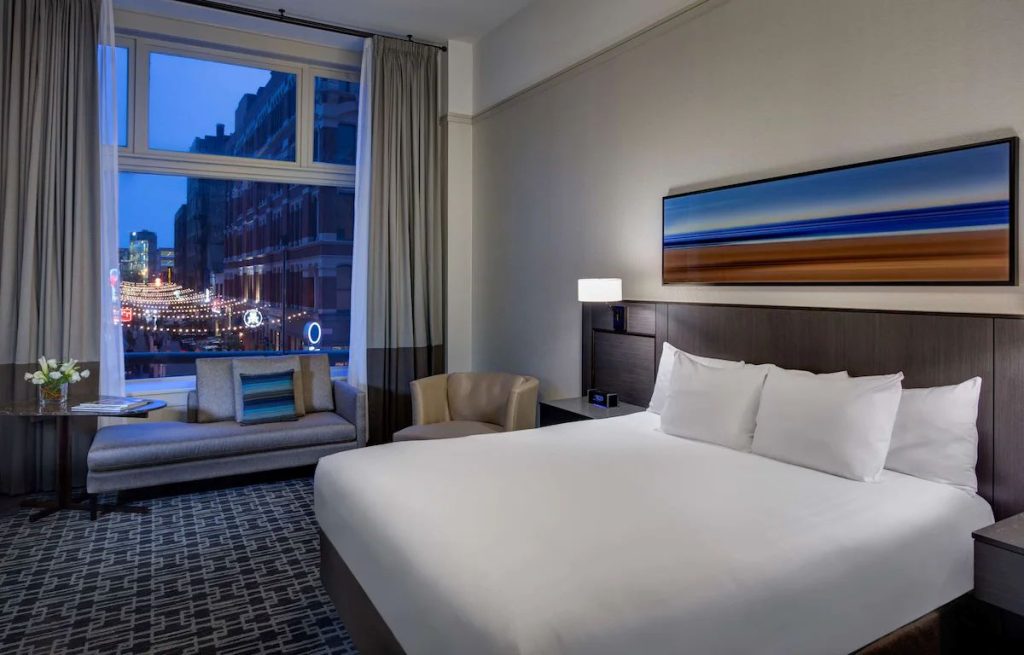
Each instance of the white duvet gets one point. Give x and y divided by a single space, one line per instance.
612 537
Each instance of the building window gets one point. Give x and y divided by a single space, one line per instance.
235 207
335 111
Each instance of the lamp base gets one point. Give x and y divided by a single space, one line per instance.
619 318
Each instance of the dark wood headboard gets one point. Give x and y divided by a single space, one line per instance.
932 349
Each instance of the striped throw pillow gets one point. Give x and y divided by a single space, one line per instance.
268 397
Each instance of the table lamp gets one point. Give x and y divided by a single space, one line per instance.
606 290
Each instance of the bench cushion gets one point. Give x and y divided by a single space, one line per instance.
137 445
445 430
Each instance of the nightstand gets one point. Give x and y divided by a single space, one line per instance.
999 564
567 410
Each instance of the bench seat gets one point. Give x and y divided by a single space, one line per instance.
137 445
147 454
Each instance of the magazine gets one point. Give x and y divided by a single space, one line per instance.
110 405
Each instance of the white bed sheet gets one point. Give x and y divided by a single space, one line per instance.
612 537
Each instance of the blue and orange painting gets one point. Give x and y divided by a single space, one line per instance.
941 217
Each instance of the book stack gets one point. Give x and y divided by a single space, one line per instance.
110 405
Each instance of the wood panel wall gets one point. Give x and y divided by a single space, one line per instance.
932 349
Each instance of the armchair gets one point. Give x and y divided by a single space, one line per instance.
461 404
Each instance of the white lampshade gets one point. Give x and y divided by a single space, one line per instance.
605 289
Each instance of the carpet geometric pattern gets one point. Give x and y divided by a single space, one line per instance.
223 571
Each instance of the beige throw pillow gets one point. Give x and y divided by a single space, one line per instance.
215 390
317 390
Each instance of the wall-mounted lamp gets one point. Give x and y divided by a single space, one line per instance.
606 290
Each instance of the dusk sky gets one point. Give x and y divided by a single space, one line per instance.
148 202
963 176
187 98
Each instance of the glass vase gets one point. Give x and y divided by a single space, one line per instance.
53 397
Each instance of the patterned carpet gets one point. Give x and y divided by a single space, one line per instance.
224 571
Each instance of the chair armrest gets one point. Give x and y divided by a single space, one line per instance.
192 407
430 400
521 413
350 404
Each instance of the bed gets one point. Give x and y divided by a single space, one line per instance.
611 537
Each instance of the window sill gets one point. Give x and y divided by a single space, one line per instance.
186 383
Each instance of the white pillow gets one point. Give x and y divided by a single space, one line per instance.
837 374
936 434
837 425
665 366
713 404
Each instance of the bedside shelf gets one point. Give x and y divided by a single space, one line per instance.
568 410
999 564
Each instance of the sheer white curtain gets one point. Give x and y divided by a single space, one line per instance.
361 231
111 347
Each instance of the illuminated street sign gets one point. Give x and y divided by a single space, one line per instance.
253 318
313 333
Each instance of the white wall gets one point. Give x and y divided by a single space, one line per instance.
548 36
568 178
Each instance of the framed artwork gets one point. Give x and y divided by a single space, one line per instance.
941 217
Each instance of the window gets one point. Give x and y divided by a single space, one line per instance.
211 266
235 205
121 71
215 108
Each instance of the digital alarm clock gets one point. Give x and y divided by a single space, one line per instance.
602 398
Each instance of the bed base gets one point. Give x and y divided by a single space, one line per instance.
369 632
963 625
949 629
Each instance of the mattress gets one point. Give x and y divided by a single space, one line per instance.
610 536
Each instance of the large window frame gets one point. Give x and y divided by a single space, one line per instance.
138 157
143 35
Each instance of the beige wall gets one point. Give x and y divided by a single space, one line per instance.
547 37
568 178
459 335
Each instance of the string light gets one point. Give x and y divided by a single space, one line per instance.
145 304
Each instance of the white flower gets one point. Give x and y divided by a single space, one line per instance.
75 377
54 375
38 375
65 367
28 376
86 373
52 363
42 365
37 381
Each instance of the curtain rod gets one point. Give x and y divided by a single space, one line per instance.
280 17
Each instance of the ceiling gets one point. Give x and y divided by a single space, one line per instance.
430 20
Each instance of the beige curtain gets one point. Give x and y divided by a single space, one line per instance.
50 273
405 276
